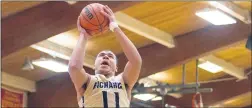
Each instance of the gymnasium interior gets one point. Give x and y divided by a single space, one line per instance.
187 48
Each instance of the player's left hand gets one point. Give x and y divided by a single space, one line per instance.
82 30
106 11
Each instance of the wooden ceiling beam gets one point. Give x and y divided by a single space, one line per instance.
227 67
59 51
145 30
234 10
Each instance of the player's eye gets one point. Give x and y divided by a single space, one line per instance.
111 56
102 54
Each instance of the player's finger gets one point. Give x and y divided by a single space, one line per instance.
104 13
109 10
106 10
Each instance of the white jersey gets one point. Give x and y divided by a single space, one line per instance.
105 92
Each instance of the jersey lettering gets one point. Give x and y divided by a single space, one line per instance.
108 84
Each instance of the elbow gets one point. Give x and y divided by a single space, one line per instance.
73 67
138 61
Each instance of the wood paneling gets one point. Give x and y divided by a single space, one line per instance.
174 75
238 55
244 4
172 17
13 63
175 18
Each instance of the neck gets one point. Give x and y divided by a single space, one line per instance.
106 75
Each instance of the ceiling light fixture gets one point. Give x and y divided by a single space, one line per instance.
215 17
51 65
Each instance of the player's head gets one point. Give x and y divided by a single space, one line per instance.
106 63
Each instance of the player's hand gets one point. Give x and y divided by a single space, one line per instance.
82 30
106 11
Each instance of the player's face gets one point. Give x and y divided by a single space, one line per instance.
105 63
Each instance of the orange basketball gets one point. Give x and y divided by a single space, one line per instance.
92 20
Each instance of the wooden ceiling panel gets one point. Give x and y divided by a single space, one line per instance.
100 42
175 18
174 75
108 41
236 54
12 7
244 4
66 39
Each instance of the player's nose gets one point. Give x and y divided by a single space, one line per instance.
105 57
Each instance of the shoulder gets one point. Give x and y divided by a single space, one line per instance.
119 77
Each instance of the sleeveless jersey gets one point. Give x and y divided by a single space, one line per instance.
105 92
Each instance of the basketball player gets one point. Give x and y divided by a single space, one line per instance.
104 89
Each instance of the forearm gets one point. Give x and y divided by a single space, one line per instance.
128 47
77 57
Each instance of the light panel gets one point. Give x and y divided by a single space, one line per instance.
50 52
216 17
211 67
51 65
144 97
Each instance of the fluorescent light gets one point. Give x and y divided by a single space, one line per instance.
157 98
211 67
144 97
51 65
216 17
50 52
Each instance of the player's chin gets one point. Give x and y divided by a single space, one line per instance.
104 71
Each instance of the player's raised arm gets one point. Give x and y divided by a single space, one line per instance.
76 71
133 67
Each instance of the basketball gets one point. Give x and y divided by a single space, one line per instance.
92 20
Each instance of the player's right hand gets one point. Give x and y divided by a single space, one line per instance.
82 30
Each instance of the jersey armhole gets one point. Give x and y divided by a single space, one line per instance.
84 85
126 86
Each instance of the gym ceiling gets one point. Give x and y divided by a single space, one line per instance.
167 35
